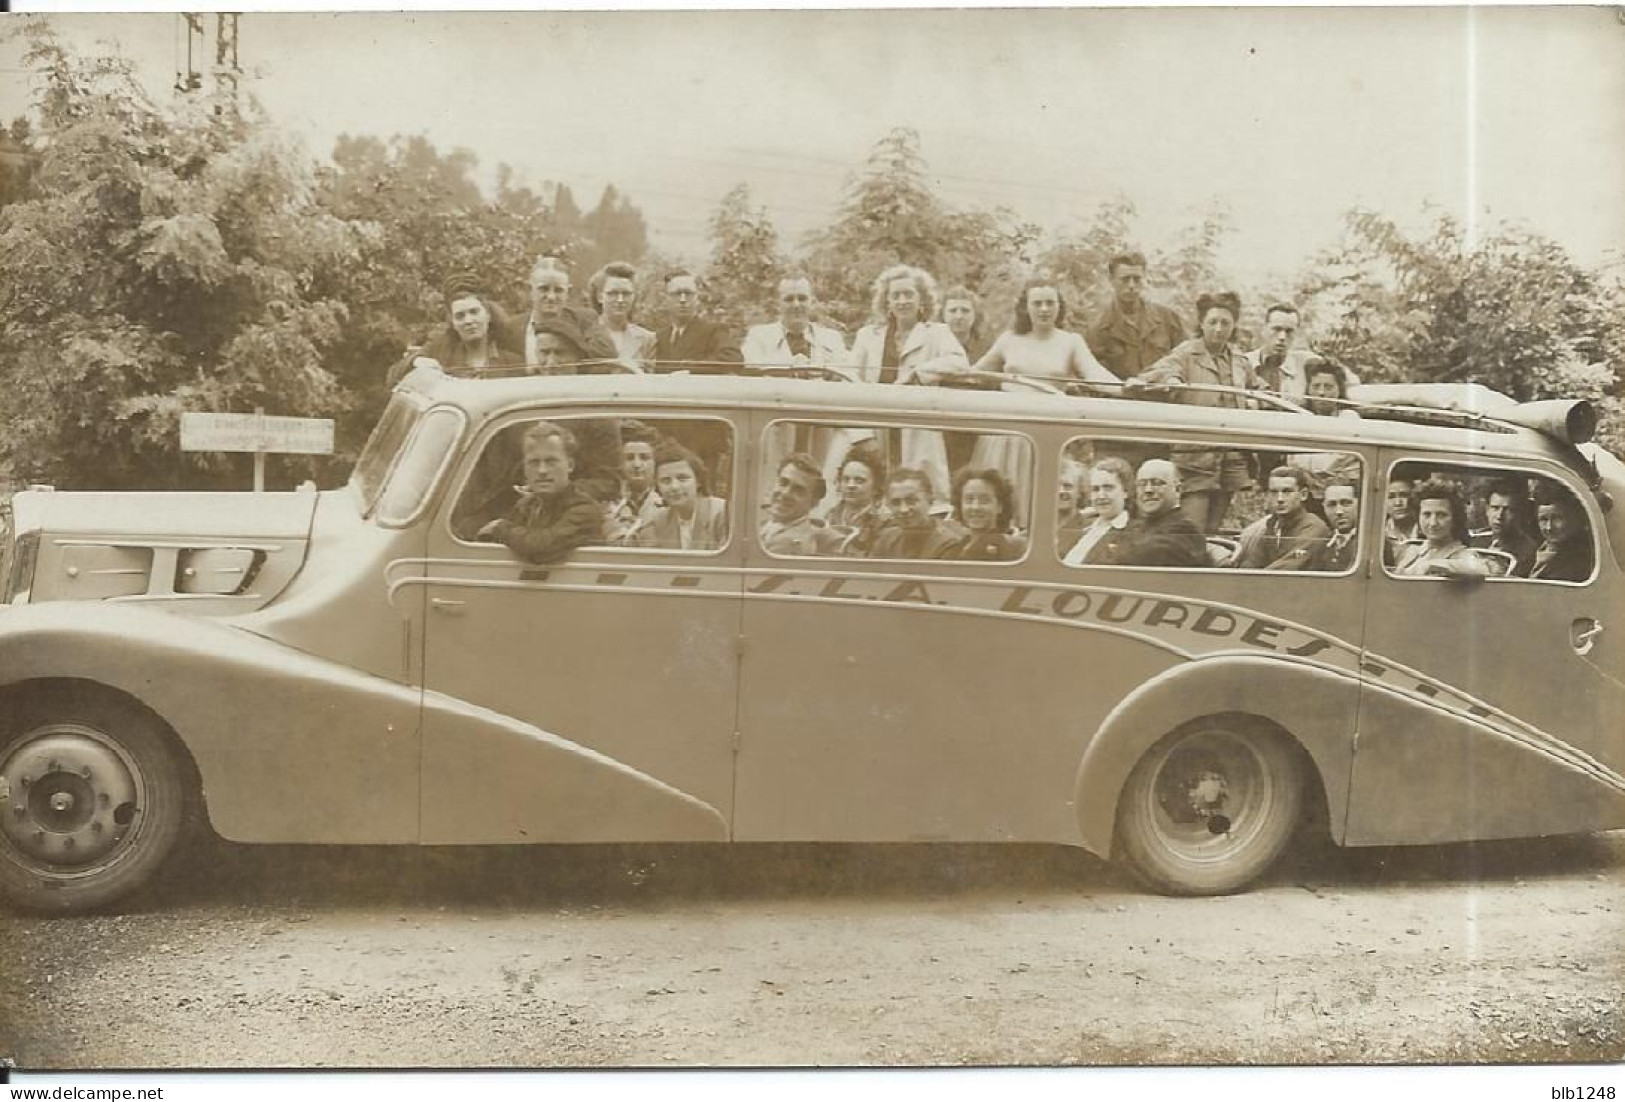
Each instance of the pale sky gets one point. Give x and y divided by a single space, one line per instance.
1291 116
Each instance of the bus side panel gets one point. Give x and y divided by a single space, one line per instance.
884 720
1424 775
494 779
1312 704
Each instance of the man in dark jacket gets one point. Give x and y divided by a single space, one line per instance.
1288 536
1503 507
1342 502
689 338
1132 332
553 517
913 532
1162 535
578 332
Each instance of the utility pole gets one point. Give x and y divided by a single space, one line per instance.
226 72
191 79
226 69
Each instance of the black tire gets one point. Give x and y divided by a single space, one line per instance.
92 799
1211 806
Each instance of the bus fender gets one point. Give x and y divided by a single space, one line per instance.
1314 705
293 748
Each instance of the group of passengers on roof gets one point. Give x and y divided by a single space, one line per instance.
947 497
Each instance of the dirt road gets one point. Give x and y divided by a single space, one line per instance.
826 955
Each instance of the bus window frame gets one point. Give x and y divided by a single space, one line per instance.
765 485
1367 461
508 418
1504 469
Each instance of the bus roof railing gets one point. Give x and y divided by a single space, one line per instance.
1448 405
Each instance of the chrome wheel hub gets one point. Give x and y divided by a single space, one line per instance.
67 796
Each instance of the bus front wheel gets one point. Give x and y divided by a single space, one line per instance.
92 799
1211 806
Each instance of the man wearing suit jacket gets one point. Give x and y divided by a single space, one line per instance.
1342 504
689 338
795 339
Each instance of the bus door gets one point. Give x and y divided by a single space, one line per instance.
592 699
1490 708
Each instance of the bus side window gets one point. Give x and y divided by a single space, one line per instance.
1515 526
884 491
1122 503
660 483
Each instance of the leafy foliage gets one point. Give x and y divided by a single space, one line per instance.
746 264
1510 310
159 263
155 260
890 216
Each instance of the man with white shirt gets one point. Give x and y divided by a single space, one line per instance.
1276 363
1279 365
795 339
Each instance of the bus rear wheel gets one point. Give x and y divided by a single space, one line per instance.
1211 806
92 799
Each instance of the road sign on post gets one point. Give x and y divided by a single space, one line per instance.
257 433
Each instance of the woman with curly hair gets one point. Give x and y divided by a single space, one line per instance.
1186 375
1040 344
1441 518
983 506
859 513
613 292
903 345
477 339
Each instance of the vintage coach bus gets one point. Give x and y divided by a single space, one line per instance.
360 666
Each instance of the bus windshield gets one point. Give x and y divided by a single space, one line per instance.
383 448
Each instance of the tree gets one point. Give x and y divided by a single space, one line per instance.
1510 310
18 156
614 230
163 261
890 215
746 264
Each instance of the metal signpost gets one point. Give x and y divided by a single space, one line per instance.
257 433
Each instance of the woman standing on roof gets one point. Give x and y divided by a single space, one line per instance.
903 346
1211 360
477 339
1040 344
613 291
962 314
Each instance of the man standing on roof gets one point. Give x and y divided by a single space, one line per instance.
1277 363
689 338
795 340
578 332
1280 365
1132 332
